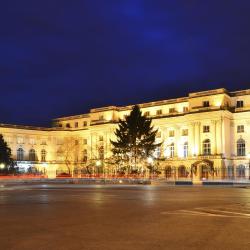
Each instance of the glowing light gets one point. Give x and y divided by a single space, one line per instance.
98 163
2 166
150 160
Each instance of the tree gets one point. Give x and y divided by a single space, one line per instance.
135 138
5 156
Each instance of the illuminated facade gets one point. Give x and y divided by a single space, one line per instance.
204 135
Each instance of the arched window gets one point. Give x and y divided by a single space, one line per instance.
168 172
20 154
43 155
241 147
182 173
240 171
171 150
185 150
206 147
32 155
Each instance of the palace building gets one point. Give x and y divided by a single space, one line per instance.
204 135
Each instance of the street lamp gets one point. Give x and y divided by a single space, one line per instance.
2 166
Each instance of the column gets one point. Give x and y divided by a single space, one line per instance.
214 136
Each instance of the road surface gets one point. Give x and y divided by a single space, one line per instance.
124 217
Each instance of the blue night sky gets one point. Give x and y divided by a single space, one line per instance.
64 57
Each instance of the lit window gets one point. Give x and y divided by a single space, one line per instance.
76 142
43 155
185 109
171 150
85 141
206 147
185 150
76 124
240 129
85 124
241 147
101 117
147 113
206 129
20 154
32 155
67 125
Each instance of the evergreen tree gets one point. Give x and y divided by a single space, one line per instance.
135 138
5 156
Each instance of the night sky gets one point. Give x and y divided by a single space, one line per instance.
60 58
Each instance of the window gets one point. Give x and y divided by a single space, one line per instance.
100 138
206 147
32 155
239 104
182 173
67 125
157 153
76 142
159 112
85 124
101 152
43 142
43 155
171 150
76 124
206 129
206 104
185 150
171 133
85 155
172 110
185 109
85 141
32 141
158 135
240 129
59 141
184 132
241 147
20 154
240 171
20 140
101 117
147 113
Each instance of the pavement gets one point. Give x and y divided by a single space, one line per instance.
117 217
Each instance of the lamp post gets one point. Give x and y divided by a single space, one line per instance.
2 165
98 164
150 161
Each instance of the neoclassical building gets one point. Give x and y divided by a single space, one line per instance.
204 135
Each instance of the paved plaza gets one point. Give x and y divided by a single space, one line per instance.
144 217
